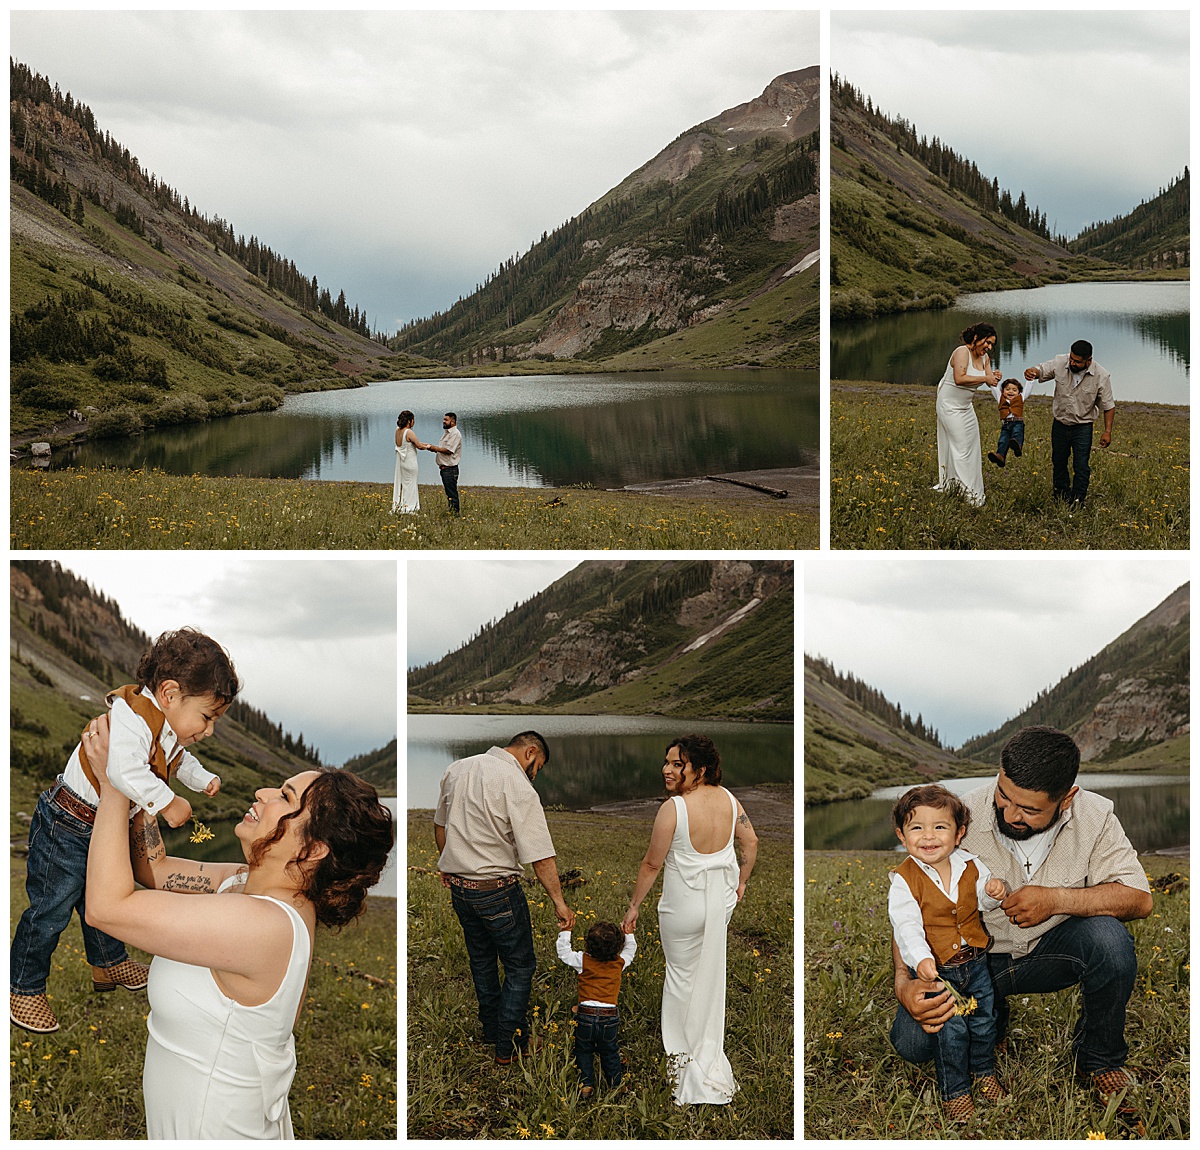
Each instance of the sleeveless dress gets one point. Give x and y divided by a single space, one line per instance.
215 1068
405 498
698 896
960 456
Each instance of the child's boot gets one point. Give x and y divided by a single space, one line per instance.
32 1012
996 458
990 1088
1016 447
129 974
960 1109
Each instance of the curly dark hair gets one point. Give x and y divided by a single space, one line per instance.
700 752
931 795
978 331
604 941
345 814
405 419
197 663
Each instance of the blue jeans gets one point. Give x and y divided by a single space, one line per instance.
496 927
595 1035
56 874
1010 429
964 1046
450 486
1095 953
1071 441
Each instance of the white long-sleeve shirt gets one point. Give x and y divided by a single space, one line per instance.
574 959
129 746
907 927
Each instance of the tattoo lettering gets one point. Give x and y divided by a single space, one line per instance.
188 883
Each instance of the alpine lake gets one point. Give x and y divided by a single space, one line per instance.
595 759
603 431
1153 809
1139 332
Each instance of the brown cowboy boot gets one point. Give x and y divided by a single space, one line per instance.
129 974
32 1012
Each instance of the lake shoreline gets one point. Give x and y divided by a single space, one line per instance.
882 386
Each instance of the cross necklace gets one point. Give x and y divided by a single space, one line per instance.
1028 861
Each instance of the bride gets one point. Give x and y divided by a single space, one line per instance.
405 497
960 457
693 844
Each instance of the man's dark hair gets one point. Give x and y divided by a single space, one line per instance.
699 752
451 415
1081 348
931 795
531 739
1041 759
604 941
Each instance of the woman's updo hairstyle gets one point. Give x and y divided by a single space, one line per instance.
345 814
978 331
405 419
699 752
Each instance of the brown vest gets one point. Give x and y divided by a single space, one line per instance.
945 922
1016 406
149 713
600 981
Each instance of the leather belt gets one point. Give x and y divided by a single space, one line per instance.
598 1011
966 955
67 800
483 883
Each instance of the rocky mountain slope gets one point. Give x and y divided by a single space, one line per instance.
724 220
1156 234
687 638
914 223
68 647
1129 699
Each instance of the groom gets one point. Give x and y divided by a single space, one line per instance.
1082 389
488 823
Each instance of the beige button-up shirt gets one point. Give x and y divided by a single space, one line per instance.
1089 849
493 818
1078 402
451 438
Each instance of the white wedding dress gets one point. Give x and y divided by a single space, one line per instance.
405 498
215 1068
698 897
960 456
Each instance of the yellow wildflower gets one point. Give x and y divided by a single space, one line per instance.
201 834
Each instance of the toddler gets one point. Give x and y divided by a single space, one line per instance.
1011 396
185 682
934 906
600 967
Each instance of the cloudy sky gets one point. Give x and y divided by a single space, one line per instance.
314 641
968 644
448 600
402 156
1087 112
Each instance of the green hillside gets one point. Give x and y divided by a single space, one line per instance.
611 637
379 768
913 223
1156 234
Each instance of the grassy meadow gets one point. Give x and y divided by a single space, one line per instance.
455 1089
856 1086
85 1080
883 465
150 510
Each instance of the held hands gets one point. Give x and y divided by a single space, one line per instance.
629 922
1029 905
565 915
1032 373
213 787
177 811
927 969
996 888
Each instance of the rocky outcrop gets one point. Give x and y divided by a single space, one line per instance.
1135 712
630 290
579 655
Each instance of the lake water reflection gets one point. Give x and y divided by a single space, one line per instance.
1140 332
1153 809
594 759
532 431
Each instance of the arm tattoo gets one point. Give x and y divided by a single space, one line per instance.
148 843
188 883
744 819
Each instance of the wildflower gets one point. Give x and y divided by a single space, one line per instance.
834 1034
523 1131
365 1080
962 1005
1097 1135
26 1105
548 1128
366 1006
201 834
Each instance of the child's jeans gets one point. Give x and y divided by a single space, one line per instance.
596 1034
965 1044
56 874
1011 429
